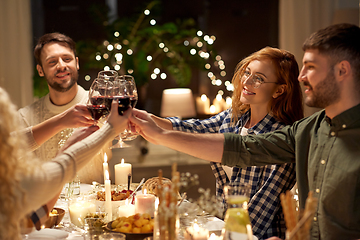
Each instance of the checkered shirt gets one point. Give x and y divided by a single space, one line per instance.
267 182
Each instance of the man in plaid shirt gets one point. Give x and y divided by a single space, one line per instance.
266 182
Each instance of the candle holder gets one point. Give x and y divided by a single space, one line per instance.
79 208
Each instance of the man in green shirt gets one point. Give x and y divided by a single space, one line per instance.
325 146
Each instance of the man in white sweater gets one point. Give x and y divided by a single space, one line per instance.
54 116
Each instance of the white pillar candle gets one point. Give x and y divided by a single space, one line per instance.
203 104
105 166
79 210
126 210
145 203
108 206
122 171
196 233
219 103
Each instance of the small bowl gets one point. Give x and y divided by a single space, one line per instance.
55 219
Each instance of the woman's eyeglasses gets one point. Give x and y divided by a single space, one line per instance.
256 80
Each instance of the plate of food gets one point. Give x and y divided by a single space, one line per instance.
138 226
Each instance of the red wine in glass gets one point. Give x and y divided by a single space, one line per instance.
124 103
97 111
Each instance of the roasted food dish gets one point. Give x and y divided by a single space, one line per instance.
138 223
115 196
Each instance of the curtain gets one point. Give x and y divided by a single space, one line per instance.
16 61
297 20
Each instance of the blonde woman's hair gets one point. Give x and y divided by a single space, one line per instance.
15 162
286 108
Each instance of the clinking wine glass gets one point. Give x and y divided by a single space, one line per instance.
237 220
130 134
108 75
98 101
122 92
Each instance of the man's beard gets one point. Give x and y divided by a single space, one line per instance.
325 93
59 87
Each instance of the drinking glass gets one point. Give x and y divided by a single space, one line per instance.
108 75
237 221
126 93
99 99
130 134
112 236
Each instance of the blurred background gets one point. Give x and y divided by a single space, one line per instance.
164 44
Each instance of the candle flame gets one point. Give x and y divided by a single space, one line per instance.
196 227
127 201
144 191
122 161
107 176
105 158
203 97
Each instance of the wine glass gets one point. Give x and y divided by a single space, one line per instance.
129 134
123 91
109 75
98 101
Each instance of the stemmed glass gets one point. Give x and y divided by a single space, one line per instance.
108 75
129 134
126 94
98 101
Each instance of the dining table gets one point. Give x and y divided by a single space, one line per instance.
66 230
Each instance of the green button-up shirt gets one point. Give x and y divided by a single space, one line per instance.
327 155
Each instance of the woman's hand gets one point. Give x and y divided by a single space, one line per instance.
118 122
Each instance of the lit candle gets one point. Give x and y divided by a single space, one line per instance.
145 203
126 210
203 104
78 211
196 233
105 166
228 102
219 103
122 172
108 206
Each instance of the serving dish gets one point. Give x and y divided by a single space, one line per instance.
54 218
129 236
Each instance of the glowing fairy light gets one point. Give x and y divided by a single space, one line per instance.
110 47
156 70
163 76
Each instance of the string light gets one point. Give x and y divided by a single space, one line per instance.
196 42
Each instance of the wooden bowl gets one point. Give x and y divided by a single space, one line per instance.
55 219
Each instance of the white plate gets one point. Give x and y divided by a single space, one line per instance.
51 233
